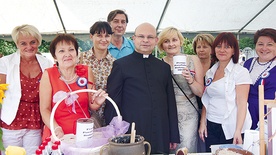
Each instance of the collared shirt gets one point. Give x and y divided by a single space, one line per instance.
234 74
10 66
101 70
143 91
126 49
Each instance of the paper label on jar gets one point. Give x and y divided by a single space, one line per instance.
179 62
84 129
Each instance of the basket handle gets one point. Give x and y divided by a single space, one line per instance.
71 93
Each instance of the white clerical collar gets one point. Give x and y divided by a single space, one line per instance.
145 56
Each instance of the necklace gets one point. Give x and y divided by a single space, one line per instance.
270 61
265 70
263 64
67 81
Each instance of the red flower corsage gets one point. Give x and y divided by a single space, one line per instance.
80 70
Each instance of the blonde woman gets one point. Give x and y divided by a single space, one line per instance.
20 116
202 46
191 83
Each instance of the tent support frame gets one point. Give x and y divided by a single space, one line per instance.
64 29
163 13
238 35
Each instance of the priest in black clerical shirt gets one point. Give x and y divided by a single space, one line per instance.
141 86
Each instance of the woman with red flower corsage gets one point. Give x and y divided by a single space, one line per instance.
66 76
100 61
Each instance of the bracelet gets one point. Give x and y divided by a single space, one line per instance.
191 82
57 128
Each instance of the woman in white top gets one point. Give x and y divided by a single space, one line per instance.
20 116
225 96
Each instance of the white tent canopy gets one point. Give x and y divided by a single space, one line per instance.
187 15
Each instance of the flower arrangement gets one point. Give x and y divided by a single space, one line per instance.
3 87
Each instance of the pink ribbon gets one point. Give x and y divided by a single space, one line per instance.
69 100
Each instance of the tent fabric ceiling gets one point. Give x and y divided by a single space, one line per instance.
186 15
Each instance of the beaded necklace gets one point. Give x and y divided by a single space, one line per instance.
67 81
262 73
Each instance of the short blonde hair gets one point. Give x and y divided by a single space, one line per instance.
26 30
168 33
207 38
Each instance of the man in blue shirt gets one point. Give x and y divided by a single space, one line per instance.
120 46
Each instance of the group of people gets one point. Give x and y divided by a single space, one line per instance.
36 84
215 98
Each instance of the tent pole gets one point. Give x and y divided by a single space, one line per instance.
162 15
60 17
254 17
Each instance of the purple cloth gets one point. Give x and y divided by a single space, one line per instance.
116 127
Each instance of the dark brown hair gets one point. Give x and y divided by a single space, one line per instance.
229 39
67 38
100 27
113 13
268 32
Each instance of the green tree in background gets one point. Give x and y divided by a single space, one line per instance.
246 42
44 47
8 47
84 45
188 46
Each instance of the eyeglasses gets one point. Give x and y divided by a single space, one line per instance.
142 37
